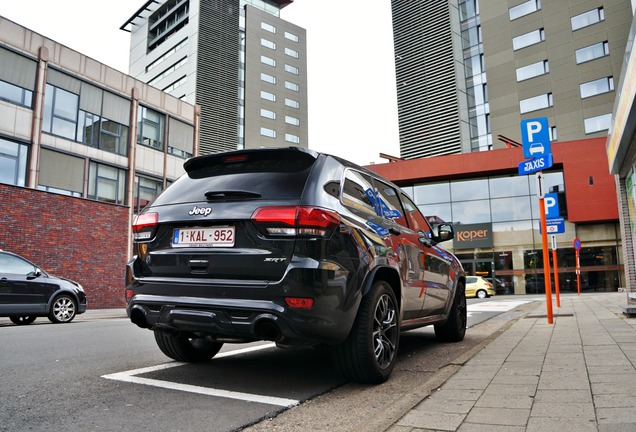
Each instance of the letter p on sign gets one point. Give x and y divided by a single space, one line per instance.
551 206
535 136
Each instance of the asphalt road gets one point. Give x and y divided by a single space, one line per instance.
108 375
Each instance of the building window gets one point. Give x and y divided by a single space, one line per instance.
268 96
292 86
292 138
165 56
268 114
268 44
61 173
101 133
268 61
292 120
292 103
524 8
177 83
268 78
146 190
106 183
166 21
598 123
268 27
180 139
60 112
13 162
290 52
587 18
150 126
592 52
468 9
292 69
536 103
554 136
14 94
525 40
532 70
266 132
292 37
596 87
168 71
17 78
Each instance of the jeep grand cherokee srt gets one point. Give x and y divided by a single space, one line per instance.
296 247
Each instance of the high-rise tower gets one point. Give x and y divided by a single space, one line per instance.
466 73
237 59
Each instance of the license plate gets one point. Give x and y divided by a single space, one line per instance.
204 237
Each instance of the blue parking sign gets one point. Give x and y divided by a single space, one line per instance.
535 137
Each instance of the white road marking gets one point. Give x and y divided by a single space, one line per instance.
496 306
131 377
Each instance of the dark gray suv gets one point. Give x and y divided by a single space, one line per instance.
296 247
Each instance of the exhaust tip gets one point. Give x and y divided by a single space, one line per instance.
138 317
267 329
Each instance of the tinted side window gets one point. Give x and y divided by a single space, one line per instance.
414 217
388 203
357 192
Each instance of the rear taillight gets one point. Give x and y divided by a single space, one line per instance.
144 226
296 221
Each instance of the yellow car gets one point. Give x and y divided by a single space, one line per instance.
477 286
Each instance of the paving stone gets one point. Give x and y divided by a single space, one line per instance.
615 400
455 406
506 401
499 416
559 396
432 420
616 415
564 409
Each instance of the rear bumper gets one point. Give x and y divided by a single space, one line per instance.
235 311
237 320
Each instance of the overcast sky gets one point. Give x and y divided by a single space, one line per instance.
352 99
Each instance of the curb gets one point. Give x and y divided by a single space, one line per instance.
394 413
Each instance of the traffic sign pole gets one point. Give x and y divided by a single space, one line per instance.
556 271
577 248
546 261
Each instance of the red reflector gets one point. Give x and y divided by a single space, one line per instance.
299 302
129 294
145 220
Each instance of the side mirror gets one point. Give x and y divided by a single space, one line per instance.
443 232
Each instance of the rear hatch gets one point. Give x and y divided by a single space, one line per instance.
225 218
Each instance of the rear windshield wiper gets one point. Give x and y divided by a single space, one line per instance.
230 195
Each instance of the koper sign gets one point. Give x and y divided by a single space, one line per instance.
472 236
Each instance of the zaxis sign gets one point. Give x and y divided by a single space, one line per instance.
535 136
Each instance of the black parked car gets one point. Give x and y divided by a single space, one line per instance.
28 292
296 247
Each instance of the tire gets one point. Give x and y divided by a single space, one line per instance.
63 309
369 353
22 319
185 349
482 294
454 329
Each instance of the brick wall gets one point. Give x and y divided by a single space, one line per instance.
70 237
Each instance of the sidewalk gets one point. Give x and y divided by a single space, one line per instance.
578 374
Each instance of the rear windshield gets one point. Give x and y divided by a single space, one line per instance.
276 174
